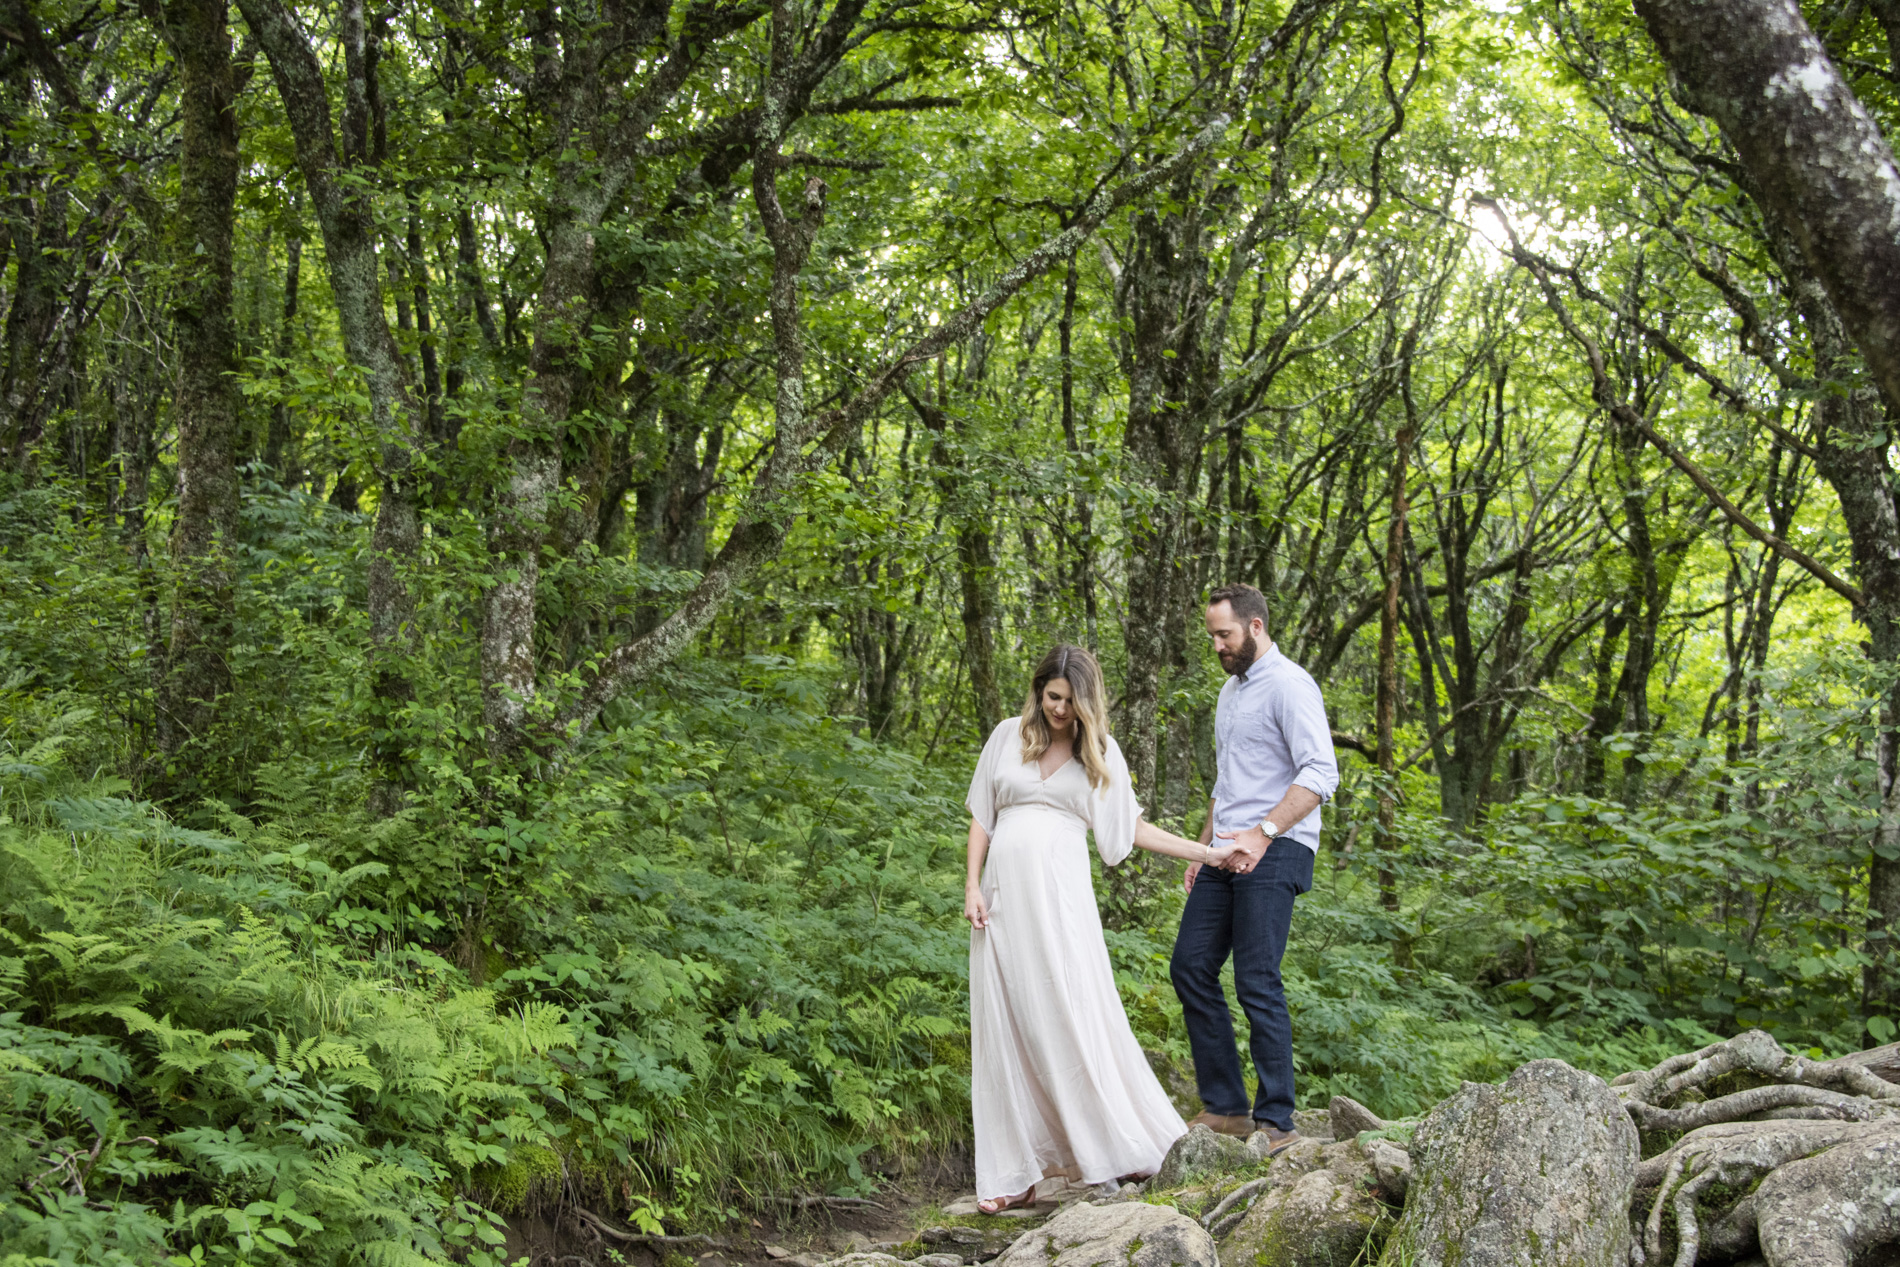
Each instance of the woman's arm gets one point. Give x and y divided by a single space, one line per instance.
1207 838
1156 840
974 908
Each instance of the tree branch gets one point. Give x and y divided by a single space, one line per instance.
766 514
1605 394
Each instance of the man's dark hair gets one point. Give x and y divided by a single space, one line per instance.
1248 603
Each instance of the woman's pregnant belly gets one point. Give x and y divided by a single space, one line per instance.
1036 851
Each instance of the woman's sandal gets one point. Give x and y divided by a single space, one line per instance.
996 1205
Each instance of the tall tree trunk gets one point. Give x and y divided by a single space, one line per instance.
976 563
205 412
339 183
1162 442
436 422
1852 456
1084 579
277 439
1606 702
1817 160
42 271
1826 181
1387 702
1643 606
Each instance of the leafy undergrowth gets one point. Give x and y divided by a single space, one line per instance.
718 958
239 1041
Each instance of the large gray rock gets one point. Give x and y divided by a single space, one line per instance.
1318 1211
1124 1234
970 1244
1534 1172
1199 1154
1349 1117
1393 1166
1314 1123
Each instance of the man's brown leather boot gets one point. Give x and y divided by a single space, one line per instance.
1239 1125
1278 1141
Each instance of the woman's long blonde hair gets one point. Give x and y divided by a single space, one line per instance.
1084 676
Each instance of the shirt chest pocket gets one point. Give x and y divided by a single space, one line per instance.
1244 723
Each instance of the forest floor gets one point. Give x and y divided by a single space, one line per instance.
909 1217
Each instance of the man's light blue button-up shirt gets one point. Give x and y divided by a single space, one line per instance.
1270 732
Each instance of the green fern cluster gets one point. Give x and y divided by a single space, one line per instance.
261 1038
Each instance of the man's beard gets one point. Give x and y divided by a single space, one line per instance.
1240 661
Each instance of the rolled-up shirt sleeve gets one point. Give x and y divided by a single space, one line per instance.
1309 737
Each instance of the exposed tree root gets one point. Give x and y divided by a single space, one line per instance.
1828 1210
605 1228
1757 1053
1746 1104
829 1203
1233 1207
1763 1144
1733 1235
1731 1153
1800 1166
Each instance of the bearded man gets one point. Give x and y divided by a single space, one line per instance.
1275 767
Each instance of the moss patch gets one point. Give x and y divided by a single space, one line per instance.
531 1169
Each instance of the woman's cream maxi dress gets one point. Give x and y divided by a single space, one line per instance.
1058 1084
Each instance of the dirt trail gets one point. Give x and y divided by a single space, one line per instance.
910 1218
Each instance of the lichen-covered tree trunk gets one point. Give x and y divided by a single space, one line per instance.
1386 700
1165 296
205 410
1850 426
1817 159
339 180
277 438
42 270
1863 480
967 509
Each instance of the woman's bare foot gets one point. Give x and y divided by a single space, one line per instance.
996 1205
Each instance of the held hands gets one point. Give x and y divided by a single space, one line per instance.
1220 855
975 909
1247 848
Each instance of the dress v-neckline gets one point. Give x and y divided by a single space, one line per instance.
1044 778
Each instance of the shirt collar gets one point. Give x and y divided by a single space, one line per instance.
1264 659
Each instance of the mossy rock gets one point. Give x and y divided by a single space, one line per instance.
531 1170
1327 1216
1202 1155
1537 1171
1120 1234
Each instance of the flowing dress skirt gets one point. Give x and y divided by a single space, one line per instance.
1058 1084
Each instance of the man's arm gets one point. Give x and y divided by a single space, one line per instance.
1251 843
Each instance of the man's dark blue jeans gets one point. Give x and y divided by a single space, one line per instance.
1246 916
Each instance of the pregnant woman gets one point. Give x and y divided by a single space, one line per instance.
1058 1084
